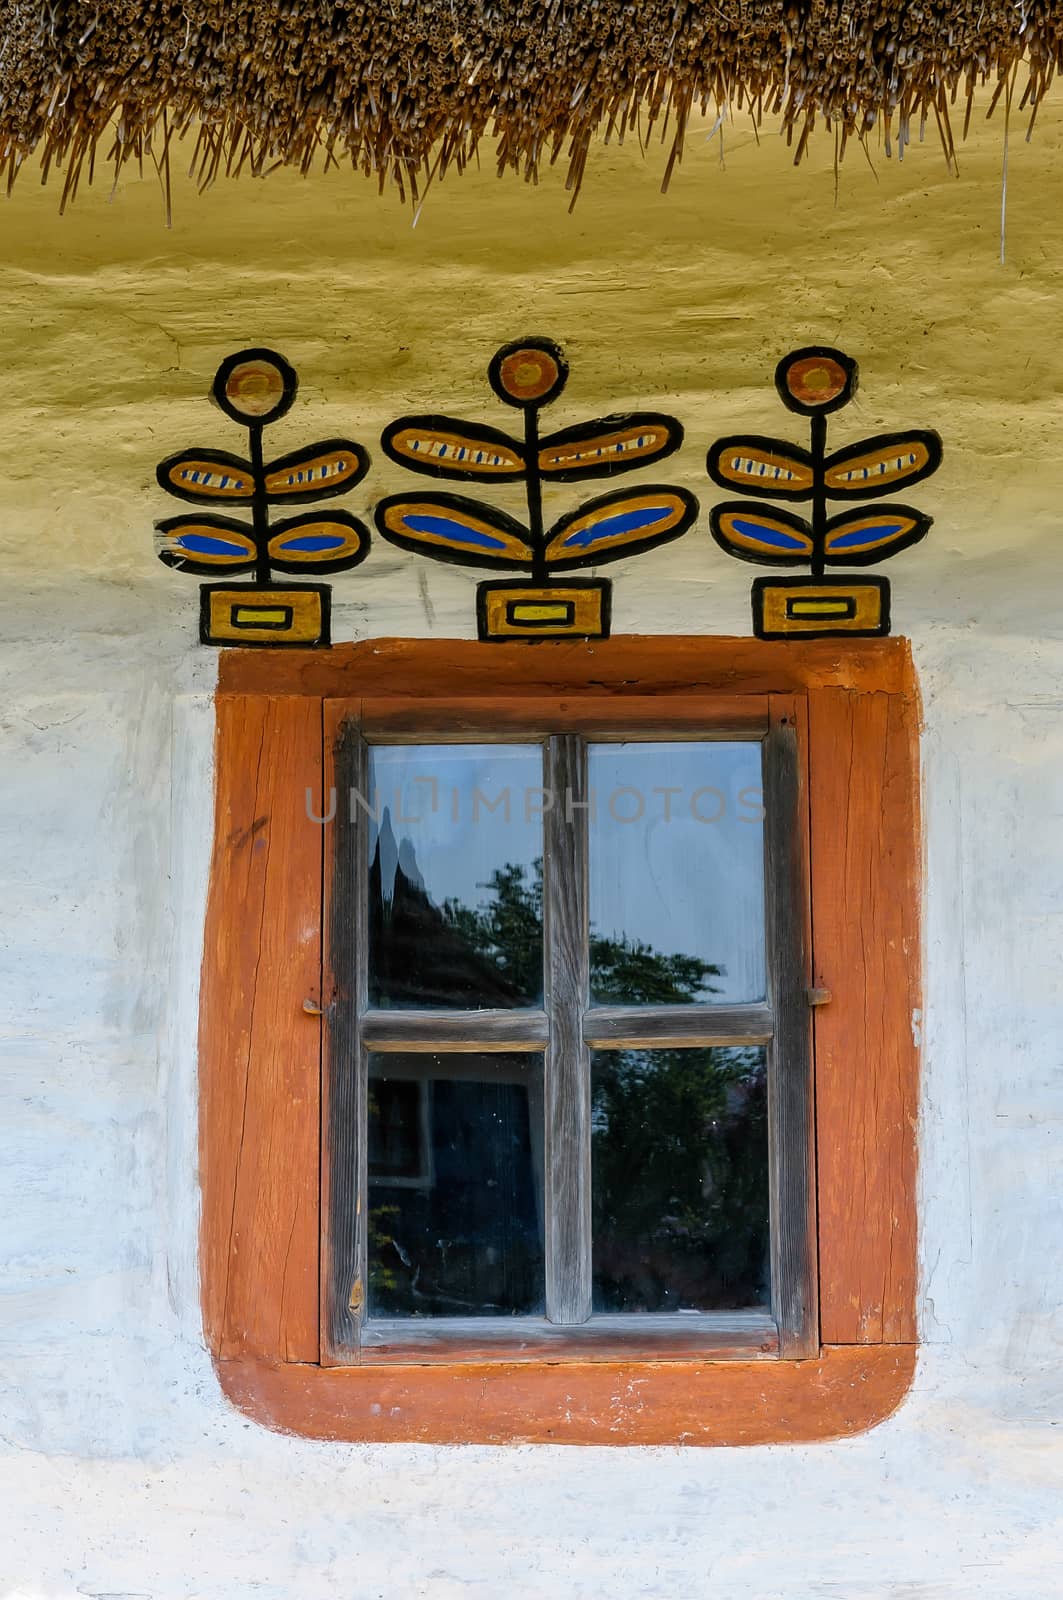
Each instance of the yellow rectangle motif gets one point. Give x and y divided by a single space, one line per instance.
554 611
256 616
541 613
790 610
249 616
819 608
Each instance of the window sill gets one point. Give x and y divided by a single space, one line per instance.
681 1336
845 1390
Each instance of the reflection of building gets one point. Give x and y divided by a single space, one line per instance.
455 1141
401 1134
455 1185
406 926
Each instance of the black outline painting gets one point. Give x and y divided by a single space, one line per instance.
256 387
813 382
529 375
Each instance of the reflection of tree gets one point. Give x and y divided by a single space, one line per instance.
449 956
680 1203
680 1194
680 1152
508 932
382 1252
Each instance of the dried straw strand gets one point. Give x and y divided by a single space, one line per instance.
405 89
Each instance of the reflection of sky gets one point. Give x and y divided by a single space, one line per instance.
459 840
672 881
687 877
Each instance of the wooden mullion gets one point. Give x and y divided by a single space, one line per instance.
519 1029
568 1071
673 1027
344 1167
791 1107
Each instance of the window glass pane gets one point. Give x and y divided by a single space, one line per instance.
676 873
455 1185
455 875
680 1179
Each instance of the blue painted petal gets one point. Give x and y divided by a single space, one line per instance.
202 544
769 535
313 541
862 536
456 532
611 527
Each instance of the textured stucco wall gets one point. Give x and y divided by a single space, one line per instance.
123 1471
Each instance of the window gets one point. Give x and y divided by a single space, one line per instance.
569 1018
561 1086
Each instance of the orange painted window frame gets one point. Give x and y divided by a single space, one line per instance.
260 1050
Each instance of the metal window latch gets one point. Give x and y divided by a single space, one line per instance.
312 1008
818 997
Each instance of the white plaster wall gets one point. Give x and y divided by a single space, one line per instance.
124 1473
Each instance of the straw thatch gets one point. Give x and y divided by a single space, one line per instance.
408 88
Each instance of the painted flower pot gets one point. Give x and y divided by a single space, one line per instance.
297 615
565 609
254 388
811 608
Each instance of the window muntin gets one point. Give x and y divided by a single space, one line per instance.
570 1027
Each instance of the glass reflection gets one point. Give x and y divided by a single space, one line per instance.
455 1185
679 1179
676 864
455 875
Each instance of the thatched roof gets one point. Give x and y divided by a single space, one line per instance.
407 88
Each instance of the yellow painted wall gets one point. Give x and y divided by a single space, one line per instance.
111 326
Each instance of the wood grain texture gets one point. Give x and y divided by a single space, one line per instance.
520 1029
865 908
844 1391
259 1057
715 1336
624 665
568 1063
791 1094
259 1052
344 1239
672 1027
522 714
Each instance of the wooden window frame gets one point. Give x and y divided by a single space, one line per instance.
563 1031
277 1321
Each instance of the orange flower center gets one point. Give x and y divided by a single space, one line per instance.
816 380
254 388
528 374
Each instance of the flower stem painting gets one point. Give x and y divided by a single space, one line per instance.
529 375
813 382
255 388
